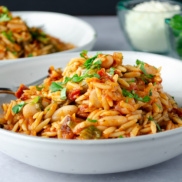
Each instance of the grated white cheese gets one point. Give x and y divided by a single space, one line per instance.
146 27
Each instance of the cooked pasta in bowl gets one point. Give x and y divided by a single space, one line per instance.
29 34
95 105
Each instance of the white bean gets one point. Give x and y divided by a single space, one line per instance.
107 61
94 101
63 111
30 109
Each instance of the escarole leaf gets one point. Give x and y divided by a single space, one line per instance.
17 108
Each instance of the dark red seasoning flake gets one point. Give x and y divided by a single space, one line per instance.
72 95
103 75
66 130
19 92
178 111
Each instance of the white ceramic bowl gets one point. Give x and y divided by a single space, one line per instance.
91 156
65 27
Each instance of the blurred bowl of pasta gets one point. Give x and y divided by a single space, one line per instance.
26 34
106 112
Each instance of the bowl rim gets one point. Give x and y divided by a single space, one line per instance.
37 139
85 23
122 6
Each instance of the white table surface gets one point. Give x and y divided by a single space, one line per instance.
110 37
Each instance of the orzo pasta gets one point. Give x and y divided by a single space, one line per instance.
94 97
18 40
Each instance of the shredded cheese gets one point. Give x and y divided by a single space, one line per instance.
145 25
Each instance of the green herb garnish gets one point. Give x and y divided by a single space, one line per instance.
56 86
9 36
63 94
175 24
111 71
158 106
76 78
157 125
39 87
39 35
83 54
132 94
88 63
91 132
92 120
4 16
141 65
17 108
15 53
96 64
150 92
150 118
36 100
30 55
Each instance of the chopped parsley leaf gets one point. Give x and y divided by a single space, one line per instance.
9 36
55 86
141 64
4 17
58 86
75 78
17 108
30 55
39 87
36 99
83 54
88 62
111 71
150 118
92 120
63 94
132 94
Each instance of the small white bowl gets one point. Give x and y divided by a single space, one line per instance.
144 27
65 27
91 156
